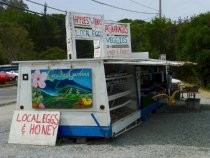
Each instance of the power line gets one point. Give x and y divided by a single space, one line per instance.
47 6
143 5
128 10
27 10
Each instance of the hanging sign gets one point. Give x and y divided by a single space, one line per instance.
34 127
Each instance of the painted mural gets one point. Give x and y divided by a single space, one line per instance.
61 88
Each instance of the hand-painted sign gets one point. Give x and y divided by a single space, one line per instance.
117 29
87 20
83 27
61 88
34 127
110 39
117 40
82 33
117 43
118 52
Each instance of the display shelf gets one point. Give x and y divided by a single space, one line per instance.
117 82
120 105
117 76
118 95
121 113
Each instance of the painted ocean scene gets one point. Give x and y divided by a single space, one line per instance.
61 88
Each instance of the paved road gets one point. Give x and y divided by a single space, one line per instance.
6 112
8 95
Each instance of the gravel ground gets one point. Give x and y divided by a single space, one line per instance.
174 132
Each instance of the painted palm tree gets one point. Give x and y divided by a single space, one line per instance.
170 99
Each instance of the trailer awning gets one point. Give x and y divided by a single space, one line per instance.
148 62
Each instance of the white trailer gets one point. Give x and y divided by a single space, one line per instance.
110 109
100 97
96 97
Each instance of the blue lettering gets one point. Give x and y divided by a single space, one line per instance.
117 40
96 33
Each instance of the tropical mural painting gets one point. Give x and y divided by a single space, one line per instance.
61 88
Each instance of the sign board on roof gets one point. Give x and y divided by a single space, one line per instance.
34 127
117 39
81 26
110 39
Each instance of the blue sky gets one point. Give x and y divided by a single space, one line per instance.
172 9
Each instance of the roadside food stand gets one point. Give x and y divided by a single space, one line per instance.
99 97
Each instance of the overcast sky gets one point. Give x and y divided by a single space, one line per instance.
172 9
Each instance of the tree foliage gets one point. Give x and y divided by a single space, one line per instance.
15 44
42 32
193 44
53 53
17 5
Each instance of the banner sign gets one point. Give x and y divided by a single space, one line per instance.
61 88
34 127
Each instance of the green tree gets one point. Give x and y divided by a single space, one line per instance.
202 69
193 44
159 36
45 31
137 38
3 59
53 53
17 5
15 42
193 37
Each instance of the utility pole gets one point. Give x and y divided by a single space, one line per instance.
45 9
160 10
